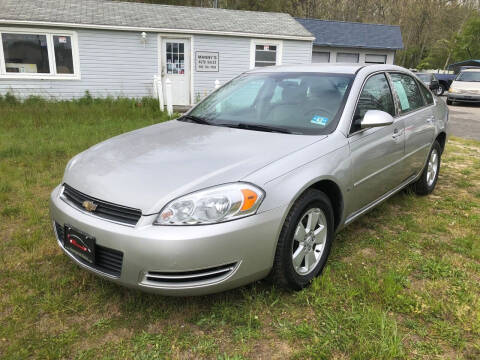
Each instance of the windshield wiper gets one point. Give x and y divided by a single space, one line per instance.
258 127
195 119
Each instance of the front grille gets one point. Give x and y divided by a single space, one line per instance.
104 209
106 260
185 278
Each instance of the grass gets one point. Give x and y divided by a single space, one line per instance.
402 282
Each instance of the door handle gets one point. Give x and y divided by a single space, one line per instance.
430 119
396 133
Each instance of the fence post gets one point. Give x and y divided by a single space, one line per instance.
158 88
217 84
168 96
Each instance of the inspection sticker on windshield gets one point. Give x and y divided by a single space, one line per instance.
319 120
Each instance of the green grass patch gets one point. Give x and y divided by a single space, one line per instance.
402 282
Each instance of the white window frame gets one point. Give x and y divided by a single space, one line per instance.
51 55
277 43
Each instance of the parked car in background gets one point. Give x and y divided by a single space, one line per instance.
465 87
430 80
444 82
253 181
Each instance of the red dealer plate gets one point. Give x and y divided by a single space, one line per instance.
80 244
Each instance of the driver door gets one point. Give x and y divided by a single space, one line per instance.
376 153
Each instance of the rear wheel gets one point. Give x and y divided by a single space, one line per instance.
305 241
429 177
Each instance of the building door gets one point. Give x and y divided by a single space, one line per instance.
176 68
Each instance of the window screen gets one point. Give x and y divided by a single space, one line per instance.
347 58
408 92
320 57
25 53
265 55
63 54
375 59
375 95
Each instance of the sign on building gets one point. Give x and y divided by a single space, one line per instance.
206 61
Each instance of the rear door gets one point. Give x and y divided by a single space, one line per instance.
416 112
376 153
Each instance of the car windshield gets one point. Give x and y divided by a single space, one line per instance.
473 76
300 103
425 77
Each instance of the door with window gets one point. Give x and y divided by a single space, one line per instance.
176 68
417 115
376 153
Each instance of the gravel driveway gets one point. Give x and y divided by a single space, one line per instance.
465 120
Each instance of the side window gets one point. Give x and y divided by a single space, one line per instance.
375 95
427 94
408 92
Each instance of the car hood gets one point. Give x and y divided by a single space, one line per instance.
149 167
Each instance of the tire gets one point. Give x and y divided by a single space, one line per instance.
440 90
449 102
296 275
429 177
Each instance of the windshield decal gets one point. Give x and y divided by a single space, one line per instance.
319 120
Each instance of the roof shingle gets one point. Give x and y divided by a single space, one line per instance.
154 16
350 34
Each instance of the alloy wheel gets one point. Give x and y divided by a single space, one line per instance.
432 167
309 241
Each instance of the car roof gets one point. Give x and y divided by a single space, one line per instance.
327 68
470 70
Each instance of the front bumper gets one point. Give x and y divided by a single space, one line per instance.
463 97
242 249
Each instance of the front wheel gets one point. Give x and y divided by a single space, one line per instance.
429 177
305 241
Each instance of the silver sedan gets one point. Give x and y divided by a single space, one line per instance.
252 182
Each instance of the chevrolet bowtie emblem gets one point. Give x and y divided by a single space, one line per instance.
89 206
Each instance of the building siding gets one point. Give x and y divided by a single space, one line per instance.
112 63
117 63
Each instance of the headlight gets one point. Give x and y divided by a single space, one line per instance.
212 205
452 90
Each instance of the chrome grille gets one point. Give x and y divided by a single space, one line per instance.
104 209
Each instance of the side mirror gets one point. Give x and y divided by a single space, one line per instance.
376 118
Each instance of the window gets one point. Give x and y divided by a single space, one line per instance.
38 54
175 58
375 95
408 92
303 103
320 57
347 57
375 59
427 94
265 53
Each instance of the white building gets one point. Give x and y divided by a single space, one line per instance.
62 48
